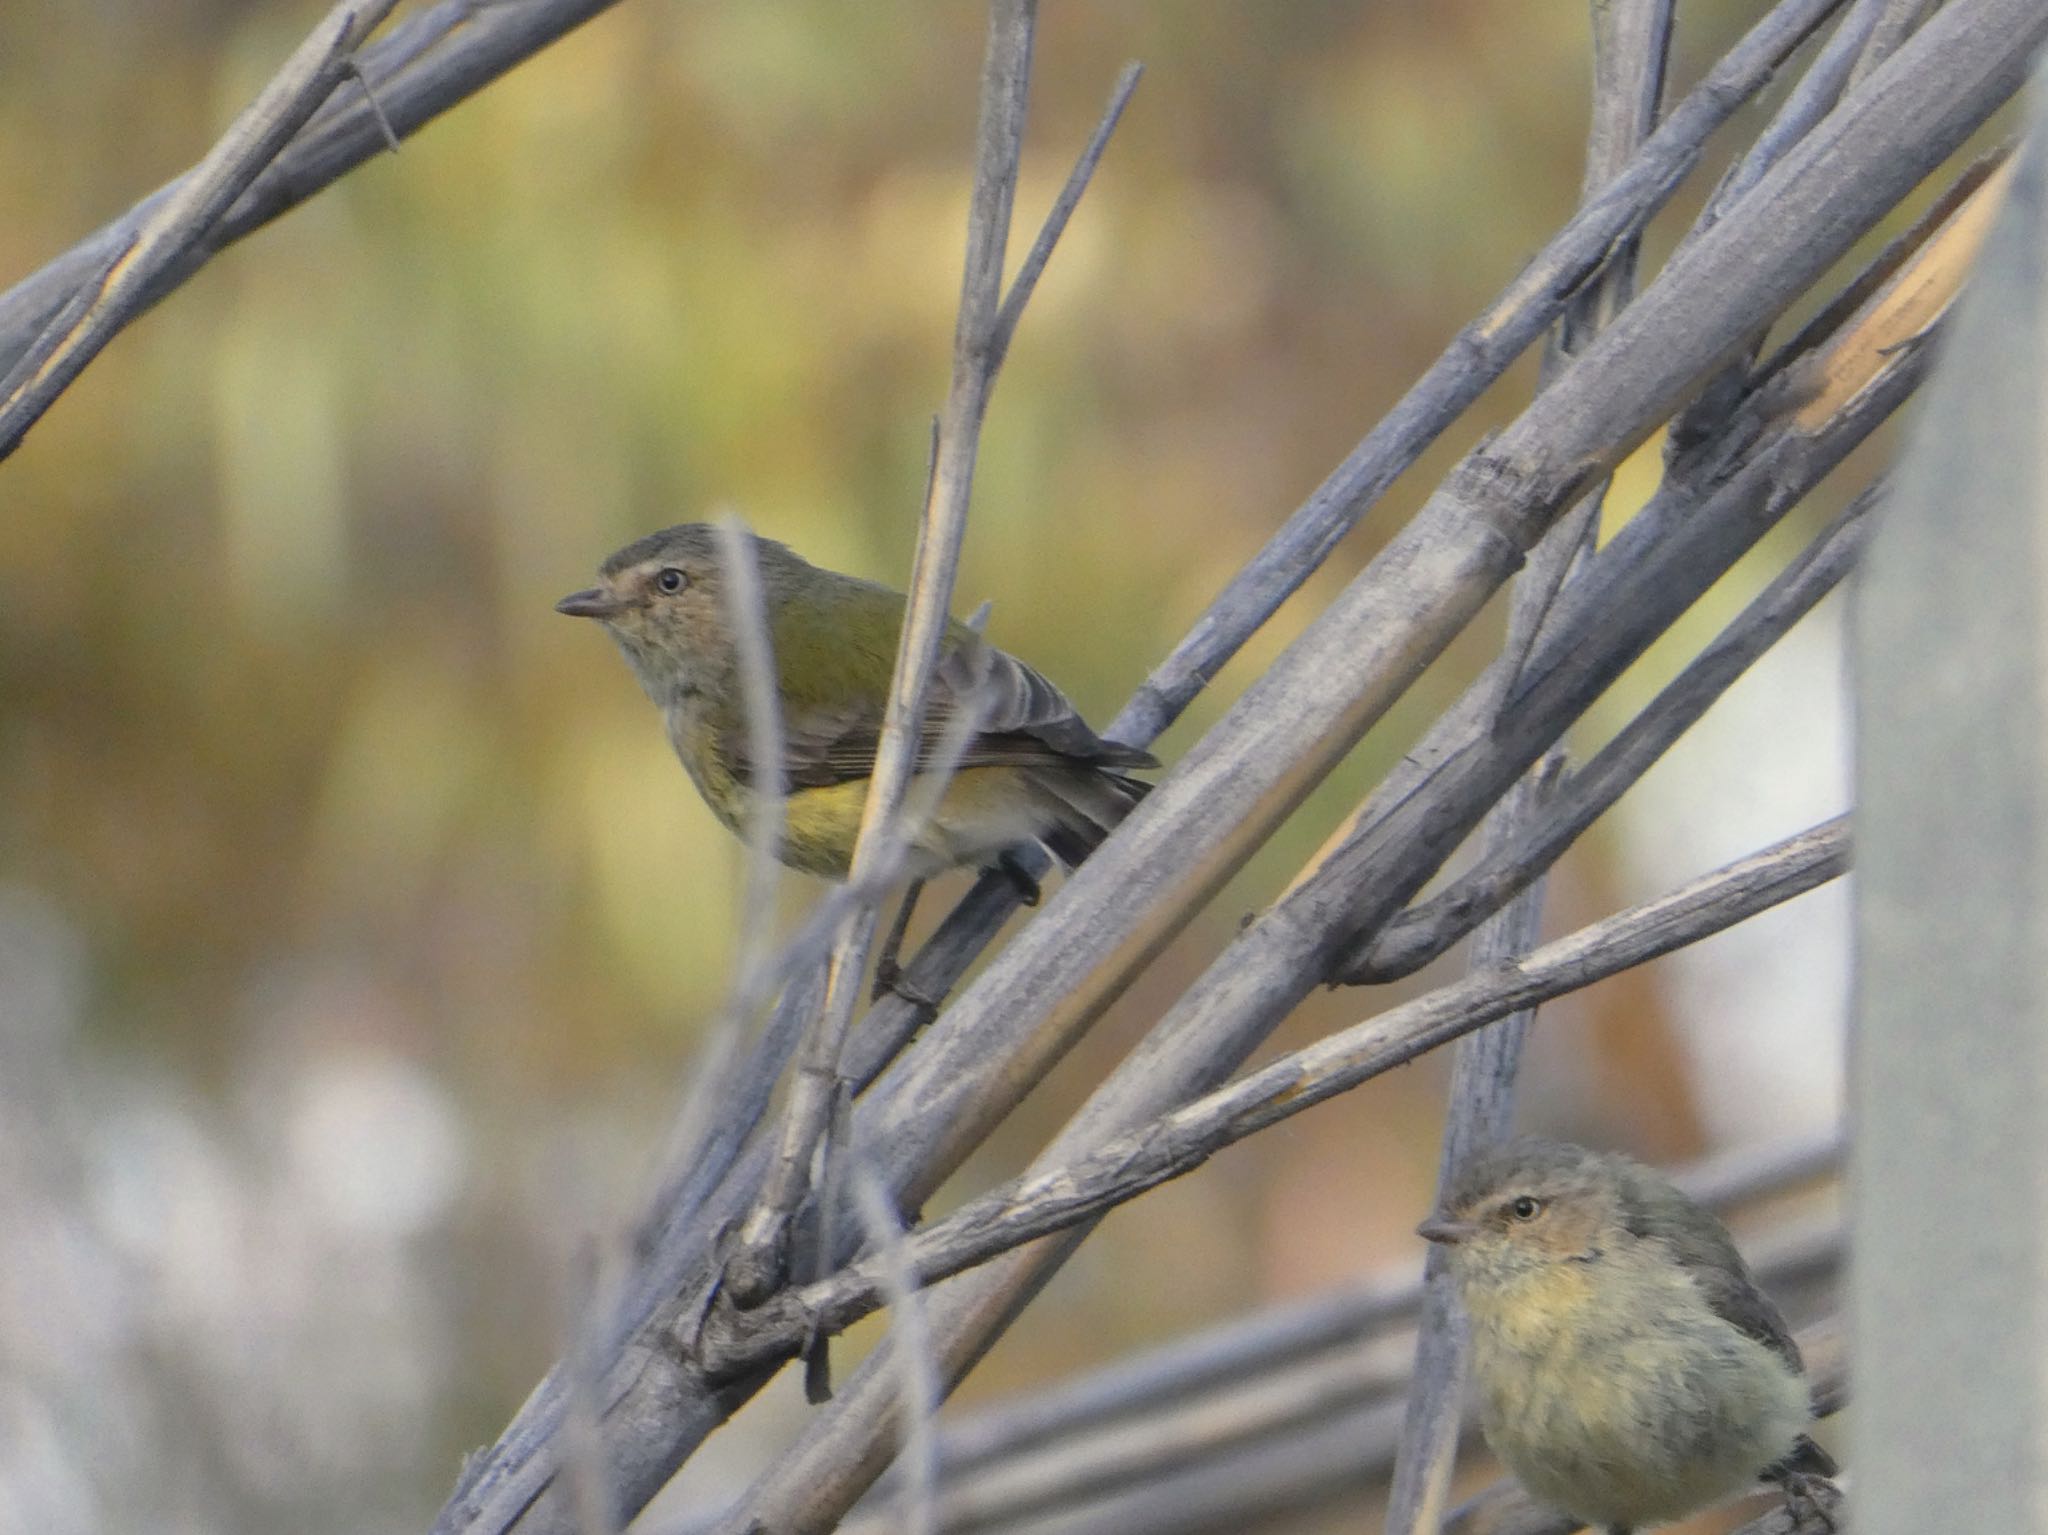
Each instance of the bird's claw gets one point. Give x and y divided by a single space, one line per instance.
1811 1499
1020 878
892 980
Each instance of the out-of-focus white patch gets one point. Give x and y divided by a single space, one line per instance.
168 1198
1764 1004
375 1141
42 974
43 1487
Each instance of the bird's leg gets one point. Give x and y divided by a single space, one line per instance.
817 1353
888 972
1014 871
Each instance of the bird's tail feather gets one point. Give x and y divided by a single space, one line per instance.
1809 1458
1083 806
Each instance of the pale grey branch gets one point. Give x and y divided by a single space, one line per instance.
1631 48
1127 1165
1427 930
417 70
1025 283
125 275
759 1260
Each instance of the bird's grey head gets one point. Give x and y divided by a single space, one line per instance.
1530 1204
664 599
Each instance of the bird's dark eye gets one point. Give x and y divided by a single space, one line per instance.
671 580
1525 1208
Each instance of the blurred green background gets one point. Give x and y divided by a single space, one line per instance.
355 921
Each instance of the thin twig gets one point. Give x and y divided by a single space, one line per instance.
927 790
888 963
1631 46
583 1435
1809 100
761 696
1025 283
354 71
725 1100
121 290
918 1400
419 68
1173 1144
759 1261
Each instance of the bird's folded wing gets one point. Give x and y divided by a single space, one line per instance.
1705 1251
1021 720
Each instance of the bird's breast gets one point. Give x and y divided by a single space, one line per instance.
700 747
1630 1414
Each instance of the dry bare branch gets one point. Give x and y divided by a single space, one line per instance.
981 340
997 1038
918 1405
1427 930
1808 102
125 277
1897 24
1475 359
417 70
1033 265
761 696
1631 48
725 1100
734 1344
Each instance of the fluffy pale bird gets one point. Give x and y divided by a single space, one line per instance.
1629 1371
1031 771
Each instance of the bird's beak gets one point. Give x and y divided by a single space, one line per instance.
591 602
1441 1228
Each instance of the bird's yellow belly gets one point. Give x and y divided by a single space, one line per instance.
983 811
1621 1430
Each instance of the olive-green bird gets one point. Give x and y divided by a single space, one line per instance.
1629 1371
1032 771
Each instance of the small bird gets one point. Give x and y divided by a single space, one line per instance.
1031 771
1629 1370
